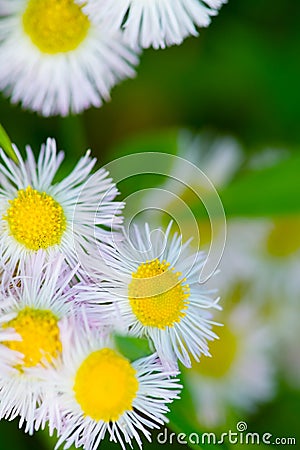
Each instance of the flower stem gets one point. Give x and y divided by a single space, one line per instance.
6 145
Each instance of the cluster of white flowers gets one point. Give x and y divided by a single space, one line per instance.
70 278
61 56
242 371
258 280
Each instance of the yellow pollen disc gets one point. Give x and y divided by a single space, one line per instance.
156 295
55 26
284 238
223 352
35 219
40 335
105 385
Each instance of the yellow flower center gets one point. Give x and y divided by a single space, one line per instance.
223 352
284 238
105 385
156 295
35 219
40 335
55 26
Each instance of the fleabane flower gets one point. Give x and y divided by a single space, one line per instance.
31 310
37 213
153 290
94 391
198 158
55 60
158 23
276 255
264 255
240 374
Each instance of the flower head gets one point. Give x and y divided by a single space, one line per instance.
262 258
31 310
152 290
124 399
158 23
54 59
36 213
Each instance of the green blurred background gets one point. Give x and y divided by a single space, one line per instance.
239 78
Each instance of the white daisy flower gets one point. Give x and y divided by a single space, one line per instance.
31 309
94 391
154 290
55 60
37 213
277 252
240 373
158 23
219 157
262 257
265 253
7 359
198 157
236 266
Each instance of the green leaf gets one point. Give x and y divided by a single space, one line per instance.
272 191
5 143
281 416
161 141
164 141
131 347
